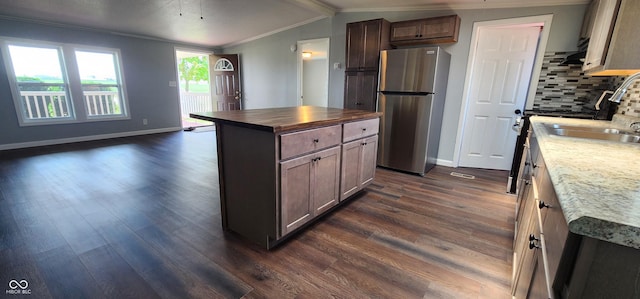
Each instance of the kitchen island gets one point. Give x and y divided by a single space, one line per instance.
282 168
578 216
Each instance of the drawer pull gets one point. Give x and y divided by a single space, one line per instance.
316 140
532 245
533 238
364 129
542 205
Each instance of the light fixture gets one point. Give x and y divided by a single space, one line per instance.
306 54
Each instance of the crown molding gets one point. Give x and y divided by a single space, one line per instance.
317 6
466 6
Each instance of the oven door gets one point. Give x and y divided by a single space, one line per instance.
523 128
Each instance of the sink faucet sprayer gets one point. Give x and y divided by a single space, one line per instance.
617 96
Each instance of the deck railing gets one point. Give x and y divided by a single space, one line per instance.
102 103
45 104
55 104
195 102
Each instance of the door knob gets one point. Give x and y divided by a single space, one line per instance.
518 112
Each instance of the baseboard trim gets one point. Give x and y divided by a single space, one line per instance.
11 146
447 163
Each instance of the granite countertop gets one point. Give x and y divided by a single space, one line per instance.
278 120
597 182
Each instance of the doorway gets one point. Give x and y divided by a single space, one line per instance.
313 72
194 86
502 73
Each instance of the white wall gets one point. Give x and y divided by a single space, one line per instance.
314 94
269 67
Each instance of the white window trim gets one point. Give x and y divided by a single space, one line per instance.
73 83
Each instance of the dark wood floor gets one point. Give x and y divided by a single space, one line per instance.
140 218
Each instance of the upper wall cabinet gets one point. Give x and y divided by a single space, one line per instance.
614 40
364 42
438 30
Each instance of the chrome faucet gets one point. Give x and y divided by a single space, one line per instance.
617 96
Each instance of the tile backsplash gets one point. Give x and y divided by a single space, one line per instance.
630 104
567 88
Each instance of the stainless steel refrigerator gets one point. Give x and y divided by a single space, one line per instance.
412 89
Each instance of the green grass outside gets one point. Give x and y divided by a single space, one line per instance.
196 87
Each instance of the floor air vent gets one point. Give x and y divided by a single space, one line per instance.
462 175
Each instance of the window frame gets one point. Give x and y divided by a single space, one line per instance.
73 85
119 78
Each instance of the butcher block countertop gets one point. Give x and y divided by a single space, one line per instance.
280 120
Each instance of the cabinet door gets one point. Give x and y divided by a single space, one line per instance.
355 45
524 273
368 165
537 289
326 180
360 90
408 30
587 22
440 28
295 199
358 165
526 223
350 183
601 34
363 45
371 50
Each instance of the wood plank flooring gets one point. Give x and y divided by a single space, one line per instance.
139 217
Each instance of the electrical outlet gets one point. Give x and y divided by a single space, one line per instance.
145 122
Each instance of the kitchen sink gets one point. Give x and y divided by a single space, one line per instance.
587 129
595 133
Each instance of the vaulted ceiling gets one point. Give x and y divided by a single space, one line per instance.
217 23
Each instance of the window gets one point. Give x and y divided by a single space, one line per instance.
63 83
41 82
101 87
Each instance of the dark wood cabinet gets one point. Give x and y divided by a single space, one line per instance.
310 187
360 90
359 153
438 30
365 40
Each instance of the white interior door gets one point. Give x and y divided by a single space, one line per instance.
501 73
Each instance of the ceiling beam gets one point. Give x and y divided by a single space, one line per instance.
316 6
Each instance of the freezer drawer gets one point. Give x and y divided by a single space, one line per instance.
409 132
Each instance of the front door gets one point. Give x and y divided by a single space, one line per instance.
501 74
225 82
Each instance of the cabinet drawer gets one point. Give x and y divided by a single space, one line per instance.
359 129
300 143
